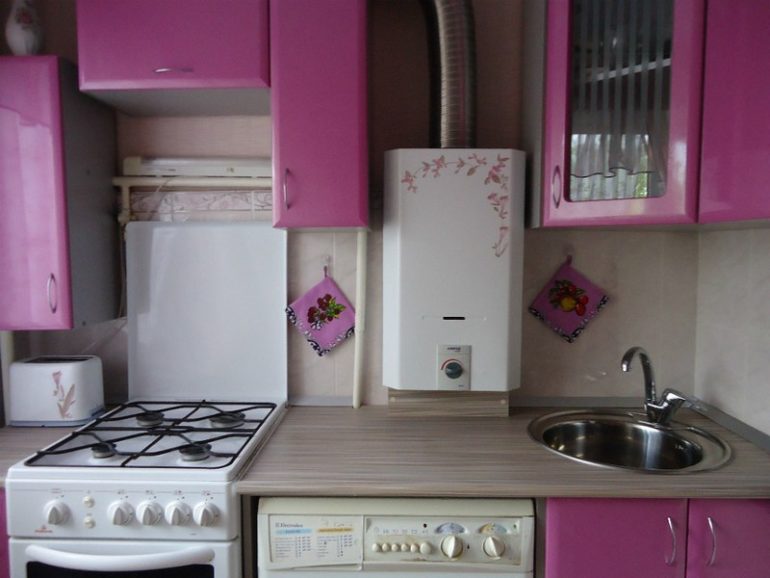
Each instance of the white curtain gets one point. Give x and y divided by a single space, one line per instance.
620 98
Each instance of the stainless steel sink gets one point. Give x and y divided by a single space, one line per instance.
626 440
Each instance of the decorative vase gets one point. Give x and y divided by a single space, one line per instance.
23 32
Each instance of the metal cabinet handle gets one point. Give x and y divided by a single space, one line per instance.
285 189
713 530
671 559
556 186
167 69
52 293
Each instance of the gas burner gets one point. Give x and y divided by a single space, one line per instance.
149 418
227 419
194 452
102 450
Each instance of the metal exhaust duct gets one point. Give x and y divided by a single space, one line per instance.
452 52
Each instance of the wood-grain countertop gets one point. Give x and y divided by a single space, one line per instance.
324 451
16 443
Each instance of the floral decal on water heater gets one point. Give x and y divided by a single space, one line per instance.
64 399
471 165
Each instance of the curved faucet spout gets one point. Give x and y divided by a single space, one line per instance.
649 376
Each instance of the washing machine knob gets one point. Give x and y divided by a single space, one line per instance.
452 547
493 547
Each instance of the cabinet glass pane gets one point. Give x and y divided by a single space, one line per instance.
620 93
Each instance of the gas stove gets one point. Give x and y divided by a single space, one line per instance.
211 438
150 485
146 469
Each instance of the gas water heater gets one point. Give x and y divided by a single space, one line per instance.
452 269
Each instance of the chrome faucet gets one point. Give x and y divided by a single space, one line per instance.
662 410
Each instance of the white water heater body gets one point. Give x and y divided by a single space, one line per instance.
453 238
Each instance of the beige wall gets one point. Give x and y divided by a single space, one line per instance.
652 277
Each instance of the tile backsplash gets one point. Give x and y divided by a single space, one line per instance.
733 340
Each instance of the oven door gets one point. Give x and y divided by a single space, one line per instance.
122 559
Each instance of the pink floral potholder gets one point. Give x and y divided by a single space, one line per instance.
324 316
568 302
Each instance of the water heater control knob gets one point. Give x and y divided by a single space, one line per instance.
149 513
205 514
121 513
178 513
452 547
453 369
56 512
493 547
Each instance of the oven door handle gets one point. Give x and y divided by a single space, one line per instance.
119 563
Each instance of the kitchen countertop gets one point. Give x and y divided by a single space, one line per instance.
16 443
335 451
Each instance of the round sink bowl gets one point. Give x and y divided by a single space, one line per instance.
625 440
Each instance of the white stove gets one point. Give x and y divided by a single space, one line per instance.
149 486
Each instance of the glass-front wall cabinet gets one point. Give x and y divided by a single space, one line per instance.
622 111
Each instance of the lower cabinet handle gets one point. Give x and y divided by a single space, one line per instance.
670 560
52 293
168 69
285 189
713 530
556 186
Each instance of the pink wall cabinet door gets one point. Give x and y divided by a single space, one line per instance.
621 112
610 538
176 57
728 539
172 44
736 115
320 156
58 235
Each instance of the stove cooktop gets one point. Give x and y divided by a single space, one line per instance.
199 435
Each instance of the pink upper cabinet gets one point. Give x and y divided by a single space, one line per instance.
729 539
622 98
172 44
736 113
58 234
320 155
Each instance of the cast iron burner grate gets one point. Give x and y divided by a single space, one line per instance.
189 440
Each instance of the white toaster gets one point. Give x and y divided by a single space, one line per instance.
60 390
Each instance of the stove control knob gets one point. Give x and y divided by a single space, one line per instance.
205 514
121 513
452 547
56 512
493 547
149 513
178 513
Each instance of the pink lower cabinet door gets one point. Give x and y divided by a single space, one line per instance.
320 155
729 539
615 538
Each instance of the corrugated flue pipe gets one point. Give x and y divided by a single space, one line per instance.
452 52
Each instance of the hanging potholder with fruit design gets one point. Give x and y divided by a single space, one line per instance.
324 316
568 302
